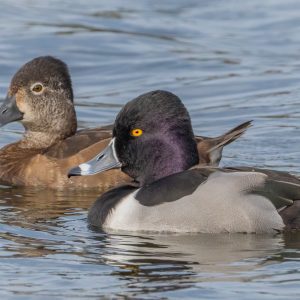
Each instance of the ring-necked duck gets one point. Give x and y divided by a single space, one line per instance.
153 143
40 96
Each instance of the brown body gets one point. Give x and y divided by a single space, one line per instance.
40 96
49 167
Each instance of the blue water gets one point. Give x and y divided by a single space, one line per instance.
229 61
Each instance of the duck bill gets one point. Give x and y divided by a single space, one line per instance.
9 111
104 161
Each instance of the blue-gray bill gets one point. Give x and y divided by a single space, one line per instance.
9 111
104 161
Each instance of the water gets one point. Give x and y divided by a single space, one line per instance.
229 61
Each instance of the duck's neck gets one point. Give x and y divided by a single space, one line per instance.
38 140
166 156
42 140
48 132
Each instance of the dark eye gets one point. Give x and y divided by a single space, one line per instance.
37 88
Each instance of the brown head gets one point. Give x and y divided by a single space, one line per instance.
40 96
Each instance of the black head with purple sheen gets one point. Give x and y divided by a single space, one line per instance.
166 145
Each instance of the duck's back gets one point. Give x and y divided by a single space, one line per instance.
78 142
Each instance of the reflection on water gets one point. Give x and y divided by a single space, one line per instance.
168 263
65 258
230 61
215 256
46 247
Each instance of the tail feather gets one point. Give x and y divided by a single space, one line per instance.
210 149
231 135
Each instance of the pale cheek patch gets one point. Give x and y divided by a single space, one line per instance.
20 95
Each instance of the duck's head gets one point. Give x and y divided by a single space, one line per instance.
152 138
40 96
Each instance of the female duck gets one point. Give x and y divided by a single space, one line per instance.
153 143
40 96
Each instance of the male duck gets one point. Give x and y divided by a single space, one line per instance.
153 143
40 96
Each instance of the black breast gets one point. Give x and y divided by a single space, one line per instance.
107 202
171 188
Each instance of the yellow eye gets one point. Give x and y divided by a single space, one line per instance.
136 132
37 88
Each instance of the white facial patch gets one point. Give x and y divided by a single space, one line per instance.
112 143
84 168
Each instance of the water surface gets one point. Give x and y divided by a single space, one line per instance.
229 61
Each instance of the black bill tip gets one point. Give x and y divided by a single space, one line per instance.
75 172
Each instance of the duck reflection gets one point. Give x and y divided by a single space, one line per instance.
179 261
39 205
32 220
42 223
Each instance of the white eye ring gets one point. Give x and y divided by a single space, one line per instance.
37 88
